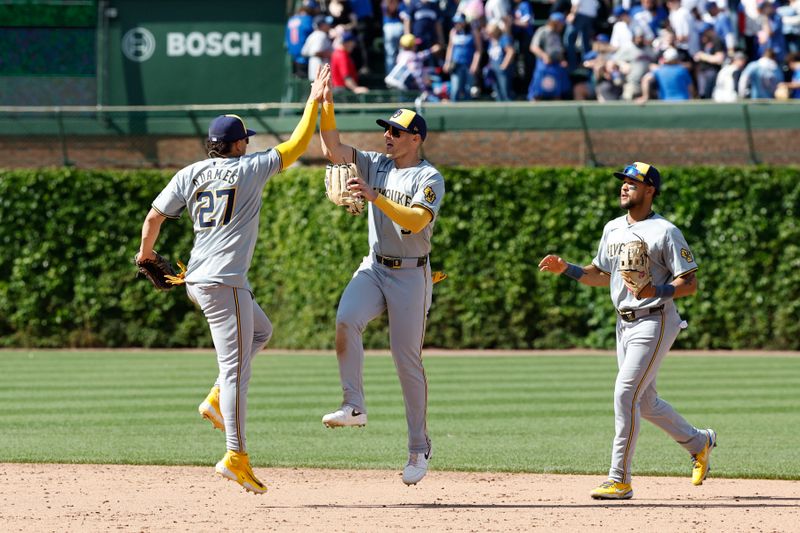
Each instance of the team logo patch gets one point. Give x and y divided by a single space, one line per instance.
430 196
687 255
397 113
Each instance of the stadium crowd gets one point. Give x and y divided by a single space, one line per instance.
606 50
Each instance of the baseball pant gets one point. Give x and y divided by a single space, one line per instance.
406 294
239 329
641 347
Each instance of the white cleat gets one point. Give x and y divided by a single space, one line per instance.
417 467
346 416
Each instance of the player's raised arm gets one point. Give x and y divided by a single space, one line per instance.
298 143
332 147
588 275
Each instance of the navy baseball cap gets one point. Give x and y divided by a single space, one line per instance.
557 16
406 120
323 19
228 128
641 172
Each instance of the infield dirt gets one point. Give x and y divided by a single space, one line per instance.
45 497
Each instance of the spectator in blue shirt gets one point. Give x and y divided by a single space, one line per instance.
673 79
425 22
793 60
393 11
501 59
463 57
790 18
771 34
650 13
548 47
760 78
298 28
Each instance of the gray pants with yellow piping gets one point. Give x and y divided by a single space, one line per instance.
641 347
405 293
239 329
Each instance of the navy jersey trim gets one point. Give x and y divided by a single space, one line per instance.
157 210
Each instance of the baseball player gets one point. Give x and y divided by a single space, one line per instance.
647 321
223 197
405 193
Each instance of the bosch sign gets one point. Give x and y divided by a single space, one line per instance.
214 44
139 44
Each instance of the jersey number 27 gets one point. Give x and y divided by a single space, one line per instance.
206 199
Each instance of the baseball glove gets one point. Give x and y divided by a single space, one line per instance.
159 272
338 192
634 266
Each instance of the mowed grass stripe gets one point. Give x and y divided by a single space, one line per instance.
534 414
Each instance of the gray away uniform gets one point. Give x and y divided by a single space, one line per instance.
644 337
223 197
403 289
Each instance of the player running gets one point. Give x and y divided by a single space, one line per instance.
647 323
223 198
405 193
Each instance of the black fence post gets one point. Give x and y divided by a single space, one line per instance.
749 132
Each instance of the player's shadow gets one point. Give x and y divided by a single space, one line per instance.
758 502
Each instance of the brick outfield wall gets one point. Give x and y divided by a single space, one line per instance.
454 148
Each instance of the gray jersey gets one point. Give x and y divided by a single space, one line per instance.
670 256
223 196
421 185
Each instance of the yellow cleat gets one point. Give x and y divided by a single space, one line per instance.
209 409
236 467
613 490
702 461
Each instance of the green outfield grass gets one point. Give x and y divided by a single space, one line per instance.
512 414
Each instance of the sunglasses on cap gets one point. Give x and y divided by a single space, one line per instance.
632 172
395 132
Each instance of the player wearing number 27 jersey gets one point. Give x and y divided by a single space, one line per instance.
211 191
222 195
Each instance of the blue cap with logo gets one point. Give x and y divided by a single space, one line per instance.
228 128
643 173
406 120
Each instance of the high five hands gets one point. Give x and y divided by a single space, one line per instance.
320 83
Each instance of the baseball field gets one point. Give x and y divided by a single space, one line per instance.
96 440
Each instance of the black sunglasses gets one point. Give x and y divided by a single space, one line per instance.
394 131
